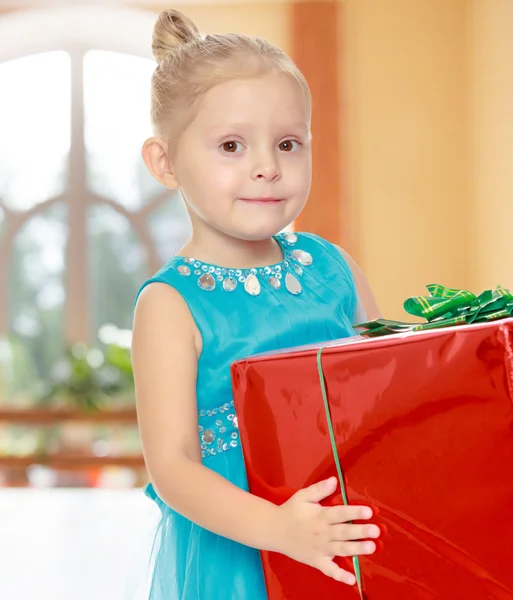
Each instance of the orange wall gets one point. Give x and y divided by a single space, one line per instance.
406 88
315 39
491 53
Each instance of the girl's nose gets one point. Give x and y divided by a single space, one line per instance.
266 168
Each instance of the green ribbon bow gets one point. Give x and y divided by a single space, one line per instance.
445 307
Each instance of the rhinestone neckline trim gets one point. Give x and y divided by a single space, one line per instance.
288 271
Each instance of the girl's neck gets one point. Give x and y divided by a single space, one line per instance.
230 252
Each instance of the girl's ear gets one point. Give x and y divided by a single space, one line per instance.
158 163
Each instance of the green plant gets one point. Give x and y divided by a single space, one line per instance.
90 378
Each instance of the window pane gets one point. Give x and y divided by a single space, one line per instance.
35 125
170 226
35 295
117 121
117 267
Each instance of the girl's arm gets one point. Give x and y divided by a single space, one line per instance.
367 308
165 350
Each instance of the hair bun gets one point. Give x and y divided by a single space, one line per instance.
172 29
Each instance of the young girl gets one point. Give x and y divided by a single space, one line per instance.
232 131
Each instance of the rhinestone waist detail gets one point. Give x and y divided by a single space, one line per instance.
218 429
288 271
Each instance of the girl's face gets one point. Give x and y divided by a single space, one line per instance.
244 164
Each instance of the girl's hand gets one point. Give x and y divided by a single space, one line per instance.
314 535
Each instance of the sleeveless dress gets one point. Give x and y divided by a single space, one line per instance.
307 298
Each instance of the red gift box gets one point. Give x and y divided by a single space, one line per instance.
424 432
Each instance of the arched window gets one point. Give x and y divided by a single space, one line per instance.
82 223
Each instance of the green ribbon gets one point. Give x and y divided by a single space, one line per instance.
445 307
356 562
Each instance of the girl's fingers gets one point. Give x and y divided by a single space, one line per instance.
317 491
342 533
351 548
331 569
344 514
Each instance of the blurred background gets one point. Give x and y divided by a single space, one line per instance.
413 175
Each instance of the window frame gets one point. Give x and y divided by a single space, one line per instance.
76 30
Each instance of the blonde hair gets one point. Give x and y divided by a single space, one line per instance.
189 65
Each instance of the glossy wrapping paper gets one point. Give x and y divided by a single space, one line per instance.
424 433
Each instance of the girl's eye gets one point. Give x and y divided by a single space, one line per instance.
289 146
232 147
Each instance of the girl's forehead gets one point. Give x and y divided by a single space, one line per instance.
248 100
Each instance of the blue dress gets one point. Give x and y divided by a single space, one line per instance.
309 297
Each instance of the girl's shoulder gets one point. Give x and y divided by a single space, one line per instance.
168 274
331 255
